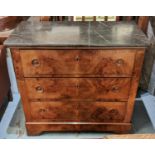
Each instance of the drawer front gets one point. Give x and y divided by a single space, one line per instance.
54 111
101 111
78 88
77 63
78 111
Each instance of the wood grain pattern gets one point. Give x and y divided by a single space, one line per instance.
17 64
54 111
101 111
78 88
78 111
143 23
134 84
21 83
77 63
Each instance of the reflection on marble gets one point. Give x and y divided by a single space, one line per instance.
88 34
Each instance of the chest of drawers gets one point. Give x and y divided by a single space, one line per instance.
78 76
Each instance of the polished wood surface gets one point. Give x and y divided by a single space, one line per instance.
78 88
134 84
35 128
78 63
143 23
78 111
57 111
101 111
21 83
95 93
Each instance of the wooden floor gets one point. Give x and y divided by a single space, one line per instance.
131 136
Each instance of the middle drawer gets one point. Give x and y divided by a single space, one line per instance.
106 89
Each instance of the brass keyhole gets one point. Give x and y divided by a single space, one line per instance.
77 58
119 62
42 110
39 89
35 62
115 88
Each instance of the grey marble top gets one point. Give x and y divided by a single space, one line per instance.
85 34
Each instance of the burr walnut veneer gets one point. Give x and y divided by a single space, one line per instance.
77 76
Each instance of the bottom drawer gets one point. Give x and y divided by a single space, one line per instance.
70 111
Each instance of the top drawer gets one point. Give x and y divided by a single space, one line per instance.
77 63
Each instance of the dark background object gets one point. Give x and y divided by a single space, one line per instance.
147 83
9 22
5 92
